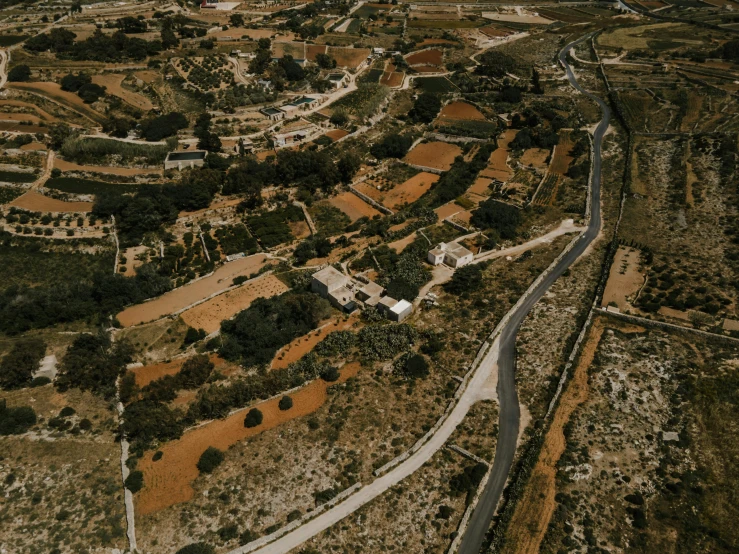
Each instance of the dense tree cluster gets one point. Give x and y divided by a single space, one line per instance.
255 334
314 247
392 146
494 63
460 177
162 126
94 363
99 47
23 308
503 218
425 108
466 279
18 365
14 421
19 73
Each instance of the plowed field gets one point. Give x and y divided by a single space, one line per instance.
409 191
36 202
353 206
438 155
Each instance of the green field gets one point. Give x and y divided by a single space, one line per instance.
354 26
435 84
74 185
17 177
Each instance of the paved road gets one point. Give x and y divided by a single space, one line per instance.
509 409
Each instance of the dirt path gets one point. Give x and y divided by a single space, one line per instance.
169 480
536 506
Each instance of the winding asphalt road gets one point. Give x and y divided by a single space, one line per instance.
482 516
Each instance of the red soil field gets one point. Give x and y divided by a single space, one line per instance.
168 480
392 79
337 134
36 202
461 110
186 295
312 50
353 206
448 209
348 57
410 191
146 374
54 92
427 57
211 313
438 155
368 190
295 350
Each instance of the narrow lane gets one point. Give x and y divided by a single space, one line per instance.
482 516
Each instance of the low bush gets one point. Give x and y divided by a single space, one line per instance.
15 421
210 459
253 418
135 481
285 403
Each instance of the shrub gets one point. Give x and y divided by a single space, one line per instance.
19 73
85 424
135 481
17 367
330 374
392 146
504 218
253 418
466 279
210 459
416 366
194 335
157 456
67 411
285 403
14 421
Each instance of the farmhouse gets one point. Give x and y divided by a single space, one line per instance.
451 254
332 285
181 160
293 133
395 310
338 80
370 293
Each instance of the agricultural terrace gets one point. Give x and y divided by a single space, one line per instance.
434 155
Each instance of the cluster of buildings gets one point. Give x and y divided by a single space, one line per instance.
343 293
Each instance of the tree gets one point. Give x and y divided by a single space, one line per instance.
210 142
18 365
536 87
392 146
94 363
135 481
494 63
330 374
504 218
285 403
58 133
348 165
416 366
194 335
15 421
253 418
426 107
339 118
162 126
195 371
236 20
90 92
325 61
169 39
466 279
19 73
210 459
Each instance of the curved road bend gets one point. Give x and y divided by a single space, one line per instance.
482 516
475 390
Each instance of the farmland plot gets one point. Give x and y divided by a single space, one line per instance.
436 155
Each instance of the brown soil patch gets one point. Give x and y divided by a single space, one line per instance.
6 116
132 263
392 79
448 209
370 190
32 146
498 164
535 157
17 127
36 202
186 295
624 279
481 186
147 76
211 313
299 229
312 50
438 155
561 159
495 32
411 190
54 92
426 57
127 171
673 313
426 68
112 82
353 206
168 481
402 244
348 57
432 41
146 374
337 134
295 350
534 510
461 110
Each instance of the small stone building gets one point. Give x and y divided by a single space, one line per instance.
452 254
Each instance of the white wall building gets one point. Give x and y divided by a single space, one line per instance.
452 254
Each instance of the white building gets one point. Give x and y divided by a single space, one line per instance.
395 310
452 254
331 284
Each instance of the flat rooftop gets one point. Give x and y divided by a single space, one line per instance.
186 156
271 111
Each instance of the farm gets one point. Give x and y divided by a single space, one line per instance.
435 155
